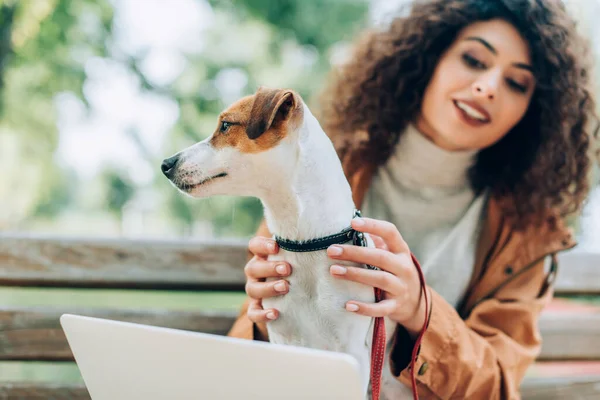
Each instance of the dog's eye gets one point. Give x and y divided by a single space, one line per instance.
225 125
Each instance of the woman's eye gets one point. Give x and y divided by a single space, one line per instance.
473 62
225 125
517 86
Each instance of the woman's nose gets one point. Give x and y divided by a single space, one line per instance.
483 90
486 87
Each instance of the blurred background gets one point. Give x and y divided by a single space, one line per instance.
95 93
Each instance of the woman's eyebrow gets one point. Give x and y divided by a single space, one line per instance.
524 66
483 42
493 50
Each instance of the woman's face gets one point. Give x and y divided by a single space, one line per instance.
480 89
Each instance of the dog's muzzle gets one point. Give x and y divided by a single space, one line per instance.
169 166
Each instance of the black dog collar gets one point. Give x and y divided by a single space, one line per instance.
346 235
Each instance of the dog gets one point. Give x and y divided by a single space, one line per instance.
270 146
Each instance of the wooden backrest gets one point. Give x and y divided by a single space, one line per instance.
194 265
122 263
34 333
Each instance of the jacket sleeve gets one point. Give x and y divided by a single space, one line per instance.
486 355
243 328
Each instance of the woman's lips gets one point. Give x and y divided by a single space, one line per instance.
471 113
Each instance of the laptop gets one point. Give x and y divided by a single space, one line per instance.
121 360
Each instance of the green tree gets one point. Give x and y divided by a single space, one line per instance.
44 45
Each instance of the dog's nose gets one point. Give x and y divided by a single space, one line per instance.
168 165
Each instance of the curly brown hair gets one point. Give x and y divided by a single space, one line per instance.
379 91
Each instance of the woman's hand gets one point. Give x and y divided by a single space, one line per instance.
259 268
398 278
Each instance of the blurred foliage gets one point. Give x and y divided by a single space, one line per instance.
119 191
45 46
303 21
49 50
42 52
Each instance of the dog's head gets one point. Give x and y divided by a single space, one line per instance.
255 138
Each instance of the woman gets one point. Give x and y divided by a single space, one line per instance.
464 130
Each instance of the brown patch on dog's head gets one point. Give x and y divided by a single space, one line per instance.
257 123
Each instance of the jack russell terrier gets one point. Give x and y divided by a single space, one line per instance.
270 146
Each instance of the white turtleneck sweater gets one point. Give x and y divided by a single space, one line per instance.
424 190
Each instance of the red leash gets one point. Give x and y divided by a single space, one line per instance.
378 348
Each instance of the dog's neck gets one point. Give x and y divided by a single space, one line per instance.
312 198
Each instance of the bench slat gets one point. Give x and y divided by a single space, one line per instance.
35 333
156 264
136 264
570 335
578 273
532 389
43 391
561 388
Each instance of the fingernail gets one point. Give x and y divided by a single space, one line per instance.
281 269
280 287
271 315
351 307
272 246
338 270
335 250
359 222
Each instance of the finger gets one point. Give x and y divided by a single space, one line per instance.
380 309
379 279
386 230
262 290
259 268
379 242
383 259
262 246
256 313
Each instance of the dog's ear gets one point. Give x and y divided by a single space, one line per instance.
271 107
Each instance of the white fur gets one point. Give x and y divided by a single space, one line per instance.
305 195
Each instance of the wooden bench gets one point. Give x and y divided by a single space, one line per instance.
34 333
